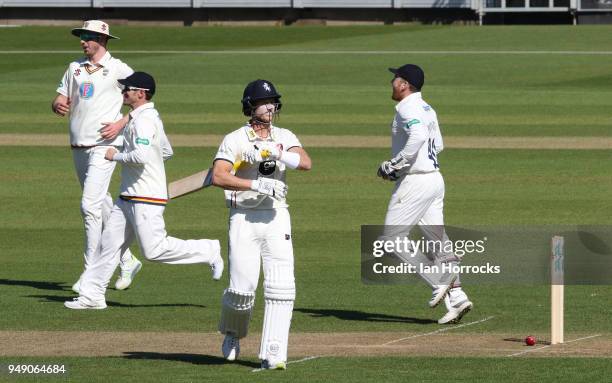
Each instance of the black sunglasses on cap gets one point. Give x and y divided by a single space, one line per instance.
129 88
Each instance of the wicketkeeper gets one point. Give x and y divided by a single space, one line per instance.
418 196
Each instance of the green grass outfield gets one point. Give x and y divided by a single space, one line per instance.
484 94
192 368
475 94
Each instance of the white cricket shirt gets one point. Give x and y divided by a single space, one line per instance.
415 131
145 148
95 97
242 140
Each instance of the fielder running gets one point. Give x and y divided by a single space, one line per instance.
89 92
259 224
418 196
138 212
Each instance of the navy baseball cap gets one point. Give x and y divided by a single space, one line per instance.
411 73
140 80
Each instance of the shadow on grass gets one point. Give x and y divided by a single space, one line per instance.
41 285
521 340
62 299
362 316
187 358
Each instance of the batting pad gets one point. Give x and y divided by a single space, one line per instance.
275 335
236 311
279 283
279 294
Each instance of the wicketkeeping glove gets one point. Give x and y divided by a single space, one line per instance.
268 186
388 171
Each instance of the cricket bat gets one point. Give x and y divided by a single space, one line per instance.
194 182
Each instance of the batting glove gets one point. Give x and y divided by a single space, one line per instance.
252 156
271 152
268 186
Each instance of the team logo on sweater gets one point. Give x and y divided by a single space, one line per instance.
86 90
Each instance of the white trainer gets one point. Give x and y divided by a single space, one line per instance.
78 304
77 286
230 347
457 304
440 292
127 275
273 365
217 268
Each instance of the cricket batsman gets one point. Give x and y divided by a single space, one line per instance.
259 224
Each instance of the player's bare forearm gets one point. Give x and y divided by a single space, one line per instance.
60 105
305 161
110 130
223 178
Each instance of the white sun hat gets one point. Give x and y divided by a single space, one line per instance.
96 26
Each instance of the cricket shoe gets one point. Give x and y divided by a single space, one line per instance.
127 274
78 304
440 291
230 347
457 304
272 365
216 266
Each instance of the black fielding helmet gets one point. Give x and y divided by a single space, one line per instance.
258 90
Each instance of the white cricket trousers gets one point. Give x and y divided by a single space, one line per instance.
418 199
146 223
95 173
258 236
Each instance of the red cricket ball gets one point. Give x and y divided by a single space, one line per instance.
530 340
